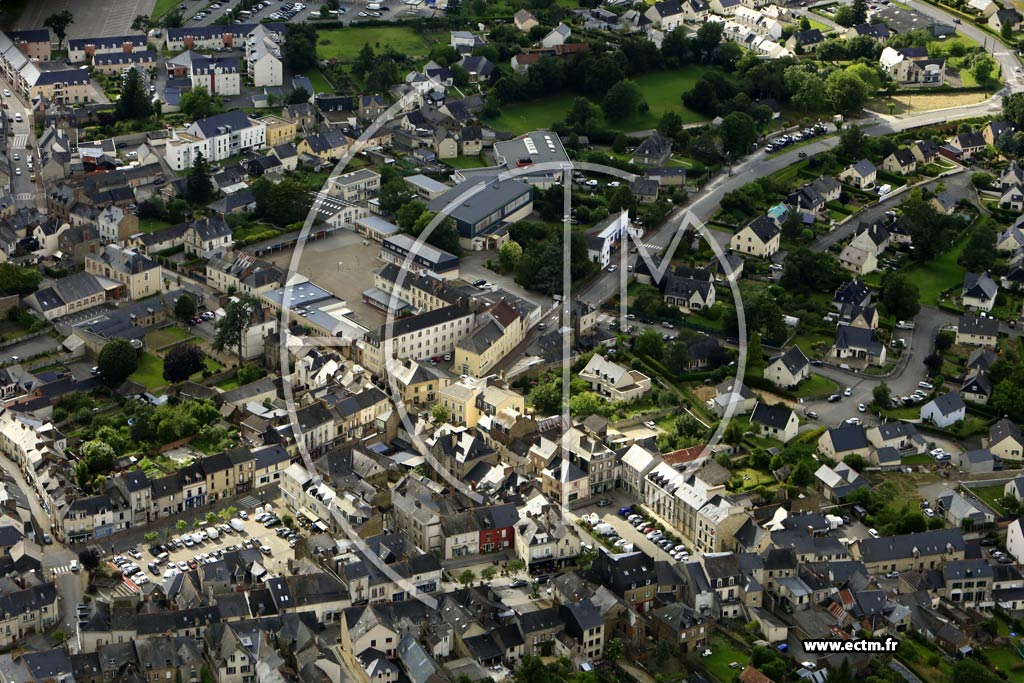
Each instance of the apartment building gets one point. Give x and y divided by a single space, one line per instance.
140 276
216 138
425 336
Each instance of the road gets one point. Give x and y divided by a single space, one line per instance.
21 144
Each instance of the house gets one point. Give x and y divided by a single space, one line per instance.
559 35
861 174
263 57
1015 539
206 237
524 20
805 41
695 11
499 329
216 137
846 439
944 202
760 238
976 388
911 65
1005 440
858 260
902 437
725 8
479 68
666 15
924 151
139 275
788 369
775 421
980 360
944 411
970 144
688 293
994 130
614 381
902 161
984 8
979 292
974 461
876 31
858 344
836 483
1011 239
975 330
726 395
1012 198
859 316
1008 17
656 150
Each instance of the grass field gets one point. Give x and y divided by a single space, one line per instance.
152 224
319 82
167 335
991 496
150 372
467 162
162 7
815 386
723 653
662 91
937 276
910 104
918 459
345 43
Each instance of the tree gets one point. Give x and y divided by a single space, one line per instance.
281 203
118 359
211 518
881 395
846 92
466 578
619 143
982 69
621 101
855 461
860 12
230 329
394 193
299 47
979 252
89 558
297 96
364 61
585 403
183 361
134 102
196 103
1013 109
614 650
184 307
649 343
515 566
488 573
933 363
181 525
585 559
809 272
58 23
142 23
198 186
20 280
439 412
738 133
288 521
581 114
509 255
899 296
172 19
970 671
409 213
844 16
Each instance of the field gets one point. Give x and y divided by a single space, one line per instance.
910 104
724 653
157 339
815 386
662 91
991 496
163 7
345 43
150 372
937 276
318 81
152 224
466 162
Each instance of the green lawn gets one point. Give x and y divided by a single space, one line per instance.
345 43
467 162
662 91
152 224
1007 659
723 653
163 7
815 386
150 372
318 81
937 276
158 339
991 496
918 459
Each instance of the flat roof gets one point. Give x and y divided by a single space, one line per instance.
539 147
409 244
377 224
427 183
299 295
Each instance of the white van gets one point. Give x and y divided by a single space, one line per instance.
884 190
237 524
212 532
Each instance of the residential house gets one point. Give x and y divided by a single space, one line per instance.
979 292
788 369
838 482
861 174
1005 440
656 149
614 381
902 161
944 411
761 238
775 421
977 330
970 144
858 344
666 15
139 275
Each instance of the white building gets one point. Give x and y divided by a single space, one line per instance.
263 57
216 137
614 381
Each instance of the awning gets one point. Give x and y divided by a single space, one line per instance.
319 526
308 514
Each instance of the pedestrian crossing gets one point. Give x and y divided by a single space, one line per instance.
24 196
651 246
20 141
124 590
62 569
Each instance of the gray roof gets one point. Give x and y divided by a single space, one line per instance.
848 437
849 337
864 168
933 542
974 324
793 358
775 415
950 403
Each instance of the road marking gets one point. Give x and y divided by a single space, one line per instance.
24 196
21 140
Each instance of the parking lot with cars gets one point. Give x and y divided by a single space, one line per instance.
261 529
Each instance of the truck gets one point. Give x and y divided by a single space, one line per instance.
834 521
237 524
373 6
604 529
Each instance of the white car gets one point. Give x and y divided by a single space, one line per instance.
862 408
777 266
926 386
17 171
7 93
936 452
848 392
614 183
16 156
591 183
